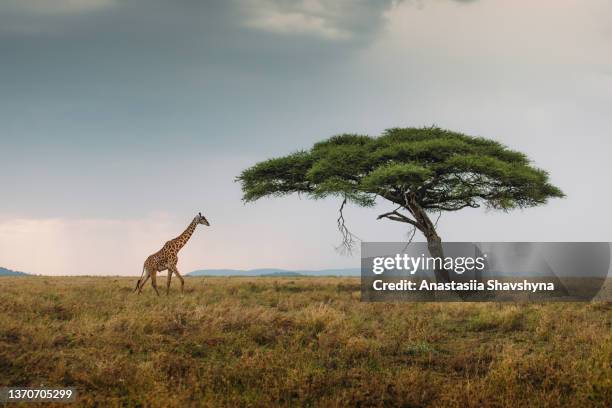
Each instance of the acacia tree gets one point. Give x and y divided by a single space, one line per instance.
420 170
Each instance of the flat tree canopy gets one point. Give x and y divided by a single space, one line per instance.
421 170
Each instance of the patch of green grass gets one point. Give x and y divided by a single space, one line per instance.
419 348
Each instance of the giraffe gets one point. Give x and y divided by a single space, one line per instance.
167 257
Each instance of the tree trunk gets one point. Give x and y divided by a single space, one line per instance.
434 242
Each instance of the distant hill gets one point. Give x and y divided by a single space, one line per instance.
288 273
8 272
276 272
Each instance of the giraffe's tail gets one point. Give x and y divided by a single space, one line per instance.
140 279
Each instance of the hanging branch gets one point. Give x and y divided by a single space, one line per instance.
348 238
411 237
438 219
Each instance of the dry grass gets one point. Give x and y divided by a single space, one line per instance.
297 342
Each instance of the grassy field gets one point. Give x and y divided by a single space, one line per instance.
297 342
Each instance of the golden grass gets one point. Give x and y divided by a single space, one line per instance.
297 342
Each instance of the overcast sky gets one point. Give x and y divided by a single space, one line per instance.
120 120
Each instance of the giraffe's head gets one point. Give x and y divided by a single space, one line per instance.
202 220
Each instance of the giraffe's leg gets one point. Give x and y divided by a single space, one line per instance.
168 282
178 275
154 282
141 286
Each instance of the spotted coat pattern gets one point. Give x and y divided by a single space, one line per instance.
167 258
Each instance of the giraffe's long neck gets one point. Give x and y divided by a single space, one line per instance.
182 239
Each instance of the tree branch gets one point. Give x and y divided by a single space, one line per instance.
455 208
397 216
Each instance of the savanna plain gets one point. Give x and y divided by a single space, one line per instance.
266 342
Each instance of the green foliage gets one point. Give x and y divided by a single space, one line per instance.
439 169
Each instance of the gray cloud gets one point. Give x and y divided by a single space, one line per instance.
112 63
80 43
54 7
40 17
326 20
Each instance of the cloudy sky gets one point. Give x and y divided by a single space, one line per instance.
121 119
